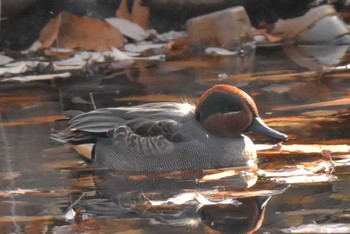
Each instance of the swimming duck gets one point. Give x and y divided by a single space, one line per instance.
169 136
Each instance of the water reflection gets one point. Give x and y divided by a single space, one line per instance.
318 57
244 218
39 178
179 201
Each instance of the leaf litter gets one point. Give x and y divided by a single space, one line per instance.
71 43
314 171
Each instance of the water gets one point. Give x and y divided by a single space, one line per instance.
306 97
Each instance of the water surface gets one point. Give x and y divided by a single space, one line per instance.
302 91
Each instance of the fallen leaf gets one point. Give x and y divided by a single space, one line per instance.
123 11
61 53
74 63
305 179
219 51
248 193
60 67
128 28
33 48
198 198
24 79
49 33
5 59
70 214
118 55
273 38
20 67
179 37
220 175
70 31
139 14
139 48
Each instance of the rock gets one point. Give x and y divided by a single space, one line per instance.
319 24
228 28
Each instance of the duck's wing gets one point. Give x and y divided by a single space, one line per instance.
148 120
103 120
149 137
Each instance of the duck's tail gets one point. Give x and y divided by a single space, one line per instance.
81 142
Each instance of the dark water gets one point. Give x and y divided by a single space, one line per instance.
302 91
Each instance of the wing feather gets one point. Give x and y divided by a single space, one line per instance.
149 126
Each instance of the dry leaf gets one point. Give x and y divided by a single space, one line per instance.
139 48
180 37
198 198
123 11
70 214
305 179
5 59
33 48
270 37
70 31
128 28
60 53
139 14
24 79
20 67
220 175
49 33
219 51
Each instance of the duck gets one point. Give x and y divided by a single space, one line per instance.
171 136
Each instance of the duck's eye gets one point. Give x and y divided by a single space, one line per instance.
233 107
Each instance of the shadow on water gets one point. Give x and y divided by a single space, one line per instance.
303 91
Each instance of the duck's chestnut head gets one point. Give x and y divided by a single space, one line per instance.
227 111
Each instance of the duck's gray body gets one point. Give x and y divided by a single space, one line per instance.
156 137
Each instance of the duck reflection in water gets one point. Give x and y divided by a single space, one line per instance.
247 217
180 203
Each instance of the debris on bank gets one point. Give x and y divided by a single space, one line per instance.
69 43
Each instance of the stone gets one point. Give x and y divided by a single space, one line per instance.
228 28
